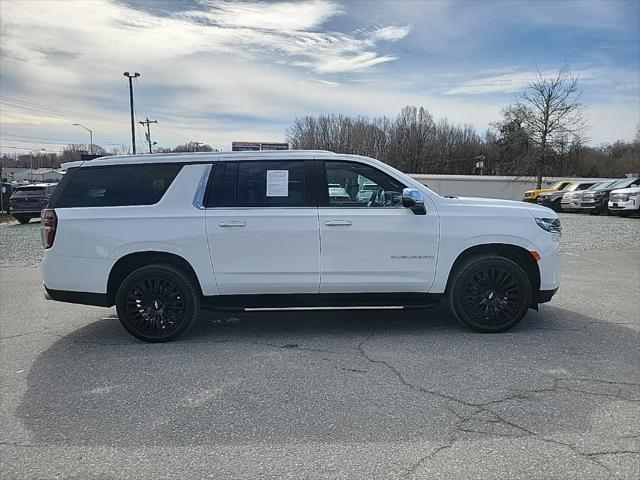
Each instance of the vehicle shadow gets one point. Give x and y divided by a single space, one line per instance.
354 376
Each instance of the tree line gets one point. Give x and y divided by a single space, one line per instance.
73 152
541 134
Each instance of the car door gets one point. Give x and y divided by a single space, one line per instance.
262 227
369 241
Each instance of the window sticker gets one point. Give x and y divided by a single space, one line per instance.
277 183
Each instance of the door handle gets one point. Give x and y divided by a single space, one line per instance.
232 224
337 223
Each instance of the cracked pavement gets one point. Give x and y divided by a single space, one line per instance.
372 394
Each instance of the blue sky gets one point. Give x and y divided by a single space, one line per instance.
217 71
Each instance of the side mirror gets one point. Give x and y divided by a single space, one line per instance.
414 200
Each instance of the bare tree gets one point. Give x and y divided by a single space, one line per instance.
552 110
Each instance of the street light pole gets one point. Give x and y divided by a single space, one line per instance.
133 129
90 136
31 161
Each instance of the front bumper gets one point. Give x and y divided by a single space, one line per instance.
591 205
545 296
570 206
630 205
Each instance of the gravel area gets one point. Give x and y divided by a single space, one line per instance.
590 232
20 244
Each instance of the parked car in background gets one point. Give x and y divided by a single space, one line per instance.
6 192
532 195
571 200
28 201
553 199
597 201
625 201
338 193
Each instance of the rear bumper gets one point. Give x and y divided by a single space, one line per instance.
84 298
23 213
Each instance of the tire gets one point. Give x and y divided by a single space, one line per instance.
23 220
143 298
484 311
556 206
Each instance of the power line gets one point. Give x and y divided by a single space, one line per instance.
32 148
42 108
61 142
173 133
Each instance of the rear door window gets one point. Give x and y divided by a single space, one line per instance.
113 186
275 183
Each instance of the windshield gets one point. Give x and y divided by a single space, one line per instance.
600 185
571 187
624 183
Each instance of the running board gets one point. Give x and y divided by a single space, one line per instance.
321 301
304 309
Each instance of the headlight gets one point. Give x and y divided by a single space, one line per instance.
551 225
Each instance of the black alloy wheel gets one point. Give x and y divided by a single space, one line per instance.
157 303
490 293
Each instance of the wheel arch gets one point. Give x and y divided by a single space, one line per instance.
132 261
518 254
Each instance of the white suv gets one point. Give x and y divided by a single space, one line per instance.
160 236
625 201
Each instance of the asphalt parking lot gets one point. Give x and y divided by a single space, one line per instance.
373 394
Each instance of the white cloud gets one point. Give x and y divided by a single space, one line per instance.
282 16
391 33
505 82
357 62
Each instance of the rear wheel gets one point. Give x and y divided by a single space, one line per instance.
490 293
157 303
23 220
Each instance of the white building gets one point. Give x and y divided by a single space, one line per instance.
38 175
487 186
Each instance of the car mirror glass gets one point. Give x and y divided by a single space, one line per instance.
413 199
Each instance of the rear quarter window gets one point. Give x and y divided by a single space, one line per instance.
115 186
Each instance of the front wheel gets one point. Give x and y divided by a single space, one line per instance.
157 303
490 293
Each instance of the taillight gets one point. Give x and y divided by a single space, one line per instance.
49 221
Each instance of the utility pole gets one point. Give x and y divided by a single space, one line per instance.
148 122
133 123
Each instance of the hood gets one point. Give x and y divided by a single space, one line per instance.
627 190
541 190
534 209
